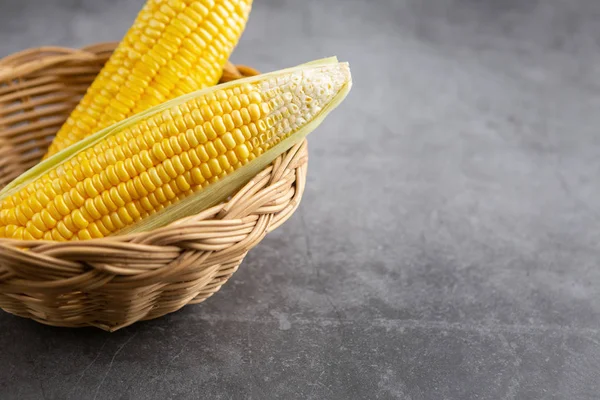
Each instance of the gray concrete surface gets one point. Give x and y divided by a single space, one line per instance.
447 245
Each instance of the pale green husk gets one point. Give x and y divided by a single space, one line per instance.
214 193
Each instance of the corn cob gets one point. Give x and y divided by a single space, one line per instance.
174 47
130 171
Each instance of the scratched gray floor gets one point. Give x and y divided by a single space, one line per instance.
448 243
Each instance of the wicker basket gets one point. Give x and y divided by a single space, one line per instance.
113 282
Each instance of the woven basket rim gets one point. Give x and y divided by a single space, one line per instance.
27 61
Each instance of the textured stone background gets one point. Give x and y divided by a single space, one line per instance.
447 245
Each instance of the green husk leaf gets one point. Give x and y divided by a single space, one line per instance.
214 193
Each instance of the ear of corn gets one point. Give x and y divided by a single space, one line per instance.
174 47
172 160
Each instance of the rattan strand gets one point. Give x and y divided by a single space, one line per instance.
113 282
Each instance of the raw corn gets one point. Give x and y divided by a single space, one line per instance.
174 47
125 174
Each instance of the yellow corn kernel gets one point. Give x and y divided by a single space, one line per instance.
171 49
117 180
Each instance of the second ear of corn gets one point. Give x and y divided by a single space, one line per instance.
133 169
174 47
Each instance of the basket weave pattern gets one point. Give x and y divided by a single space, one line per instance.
113 282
